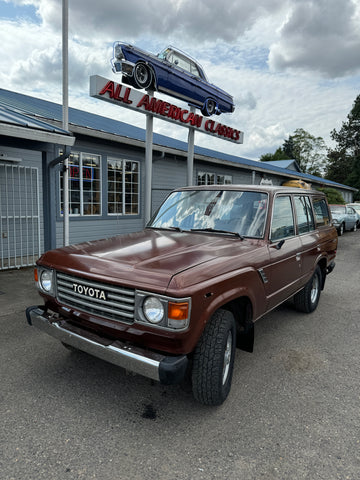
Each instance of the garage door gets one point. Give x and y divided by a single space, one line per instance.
20 216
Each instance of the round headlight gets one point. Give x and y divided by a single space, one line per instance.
46 280
153 310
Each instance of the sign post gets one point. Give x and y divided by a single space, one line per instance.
148 166
190 157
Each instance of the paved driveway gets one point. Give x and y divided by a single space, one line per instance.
293 412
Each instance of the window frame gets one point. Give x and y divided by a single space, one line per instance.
123 212
216 178
312 225
323 200
81 214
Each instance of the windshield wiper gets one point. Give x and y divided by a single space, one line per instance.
176 229
215 230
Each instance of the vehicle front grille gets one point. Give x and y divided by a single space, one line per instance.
101 299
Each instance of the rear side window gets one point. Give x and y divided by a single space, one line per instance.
304 214
282 224
321 212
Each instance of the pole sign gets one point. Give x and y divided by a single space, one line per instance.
138 101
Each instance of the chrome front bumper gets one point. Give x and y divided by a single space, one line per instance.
165 369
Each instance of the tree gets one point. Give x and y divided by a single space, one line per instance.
307 150
278 155
333 196
344 159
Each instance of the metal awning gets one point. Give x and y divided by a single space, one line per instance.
14 123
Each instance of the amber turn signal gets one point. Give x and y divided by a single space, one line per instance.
36 275
178 311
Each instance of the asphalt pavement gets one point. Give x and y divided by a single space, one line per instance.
293 411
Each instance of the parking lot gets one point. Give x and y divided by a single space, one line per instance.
293 411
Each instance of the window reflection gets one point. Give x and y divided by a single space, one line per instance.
232 211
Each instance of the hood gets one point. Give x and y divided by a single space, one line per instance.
147 259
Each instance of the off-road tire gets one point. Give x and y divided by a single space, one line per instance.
308 298
213 360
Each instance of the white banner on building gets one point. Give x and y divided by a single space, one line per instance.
139 101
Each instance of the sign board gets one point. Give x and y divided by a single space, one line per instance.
138 101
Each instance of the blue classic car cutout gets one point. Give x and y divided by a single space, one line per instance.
171 72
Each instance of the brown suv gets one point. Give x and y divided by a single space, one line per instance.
176 299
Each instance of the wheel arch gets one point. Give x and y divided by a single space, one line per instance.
242 310
322 264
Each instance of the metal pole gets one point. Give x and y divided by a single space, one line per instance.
65 111
190 156
148 165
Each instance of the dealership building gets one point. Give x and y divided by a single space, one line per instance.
106 176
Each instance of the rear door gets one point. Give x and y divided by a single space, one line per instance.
308 234
285 247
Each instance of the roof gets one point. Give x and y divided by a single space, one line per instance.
291 164
43 110
15 123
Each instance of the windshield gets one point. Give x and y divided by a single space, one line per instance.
239 212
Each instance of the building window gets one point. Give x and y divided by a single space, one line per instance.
123 186
84 185
208 178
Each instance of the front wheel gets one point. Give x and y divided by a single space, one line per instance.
341 230
213 361
355 228
142 76
308 298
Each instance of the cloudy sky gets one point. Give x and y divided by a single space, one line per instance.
288 63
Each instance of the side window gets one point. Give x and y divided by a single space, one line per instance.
321 212
305 219
282 224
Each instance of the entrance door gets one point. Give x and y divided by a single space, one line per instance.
19 216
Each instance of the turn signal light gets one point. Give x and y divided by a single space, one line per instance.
178 311
36 277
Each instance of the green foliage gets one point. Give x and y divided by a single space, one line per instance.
278 155
307 150
344 159
333 196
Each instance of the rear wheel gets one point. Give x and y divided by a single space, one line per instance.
213 361
209 107
308 298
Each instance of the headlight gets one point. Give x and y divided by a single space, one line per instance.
45 279
118 53
153 310
161 311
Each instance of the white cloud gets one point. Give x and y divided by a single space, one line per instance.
321 36
289 65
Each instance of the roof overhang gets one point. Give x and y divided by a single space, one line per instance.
36 135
